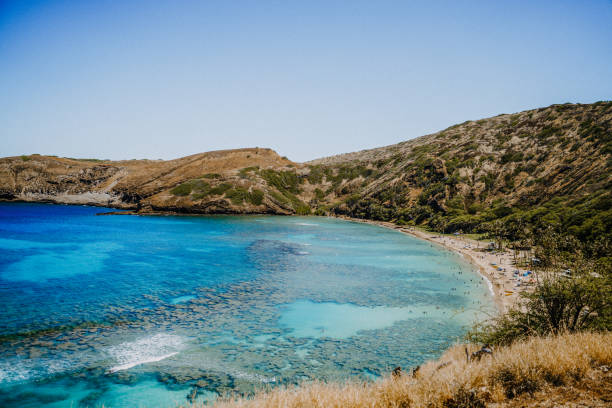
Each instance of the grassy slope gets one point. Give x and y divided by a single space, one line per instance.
549 167
539 372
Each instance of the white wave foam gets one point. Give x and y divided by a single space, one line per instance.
18 369
139 362
10 372
145 350
489 283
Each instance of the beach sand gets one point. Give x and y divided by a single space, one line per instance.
497 268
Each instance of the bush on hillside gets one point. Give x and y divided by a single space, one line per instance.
559 304
182 190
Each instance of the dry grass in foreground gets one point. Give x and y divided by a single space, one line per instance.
567 370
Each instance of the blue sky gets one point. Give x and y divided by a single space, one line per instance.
164 79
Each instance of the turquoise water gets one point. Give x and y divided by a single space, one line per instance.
157 311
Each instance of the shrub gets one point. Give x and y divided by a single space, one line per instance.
489 180
515 385
557 305
302 209
546 132
245 171
319 194
282 180
475 208
220 189
237 195
200 188
511 156
321 211
281 199
316 175
256 197
182 189
431 191
286 198
465 398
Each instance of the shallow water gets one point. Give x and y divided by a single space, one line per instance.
148 311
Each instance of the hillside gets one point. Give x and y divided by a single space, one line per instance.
537 169
144 185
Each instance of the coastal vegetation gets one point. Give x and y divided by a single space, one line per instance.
282 187
558 304
199 189
572 293
517 176
556 369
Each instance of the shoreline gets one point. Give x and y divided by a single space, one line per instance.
501 287
496 269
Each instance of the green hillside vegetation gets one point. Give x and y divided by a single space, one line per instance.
512 175
283 186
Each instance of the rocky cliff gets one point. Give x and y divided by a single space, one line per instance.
143 185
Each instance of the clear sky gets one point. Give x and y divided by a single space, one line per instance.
163 79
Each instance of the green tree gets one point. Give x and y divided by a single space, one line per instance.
582 301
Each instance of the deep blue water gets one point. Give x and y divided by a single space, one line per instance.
144 310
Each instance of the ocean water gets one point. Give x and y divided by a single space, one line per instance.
151 311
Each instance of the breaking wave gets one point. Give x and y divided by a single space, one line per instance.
145 350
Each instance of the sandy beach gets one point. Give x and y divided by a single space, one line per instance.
496 267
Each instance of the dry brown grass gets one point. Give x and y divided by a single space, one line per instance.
542 369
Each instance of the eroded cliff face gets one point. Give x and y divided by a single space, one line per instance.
140 185
40 178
